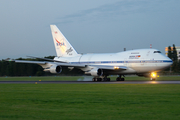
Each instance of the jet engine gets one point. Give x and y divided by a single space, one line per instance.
55 69
95 72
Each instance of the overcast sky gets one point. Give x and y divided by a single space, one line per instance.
91 26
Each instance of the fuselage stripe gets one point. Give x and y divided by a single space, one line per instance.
139 61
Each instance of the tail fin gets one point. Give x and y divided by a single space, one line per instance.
62 46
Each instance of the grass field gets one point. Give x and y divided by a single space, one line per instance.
80 78
89 101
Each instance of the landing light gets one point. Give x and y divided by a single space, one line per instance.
153 75
116 67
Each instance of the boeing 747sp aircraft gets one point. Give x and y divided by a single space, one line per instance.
142 62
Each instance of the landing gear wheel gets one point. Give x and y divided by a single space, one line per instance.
96 79
106 79
119 78
99 79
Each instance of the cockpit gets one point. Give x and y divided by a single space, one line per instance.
157 51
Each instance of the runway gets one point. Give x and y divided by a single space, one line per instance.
89 82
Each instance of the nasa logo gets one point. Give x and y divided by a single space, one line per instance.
60 43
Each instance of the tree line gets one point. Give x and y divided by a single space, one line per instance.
10 68
172 54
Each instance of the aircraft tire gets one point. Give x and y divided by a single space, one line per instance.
106 79
118 79
99 79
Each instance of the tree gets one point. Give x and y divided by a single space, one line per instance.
0 68
169 52
174 53
175 66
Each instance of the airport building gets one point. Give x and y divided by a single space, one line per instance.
177 49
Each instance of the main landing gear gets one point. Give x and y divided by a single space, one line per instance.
119 78
95 79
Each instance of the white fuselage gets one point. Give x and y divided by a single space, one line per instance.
137 61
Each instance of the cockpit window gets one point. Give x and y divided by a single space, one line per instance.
157 51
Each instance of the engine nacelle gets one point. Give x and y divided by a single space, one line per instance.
55 69
95 72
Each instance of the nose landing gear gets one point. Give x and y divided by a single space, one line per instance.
153 76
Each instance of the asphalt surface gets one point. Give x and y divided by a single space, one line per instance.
89 82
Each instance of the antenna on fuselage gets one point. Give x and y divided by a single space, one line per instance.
150 45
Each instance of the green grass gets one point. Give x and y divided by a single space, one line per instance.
81 78
89 101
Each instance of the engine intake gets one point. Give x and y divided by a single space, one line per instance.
95 72
55 69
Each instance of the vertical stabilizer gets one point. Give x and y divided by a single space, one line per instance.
62 46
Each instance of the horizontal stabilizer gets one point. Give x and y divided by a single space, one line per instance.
46 62
32 62
52 60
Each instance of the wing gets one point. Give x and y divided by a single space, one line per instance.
52 60
52 67
55 67
50 63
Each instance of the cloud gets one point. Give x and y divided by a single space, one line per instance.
121 8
